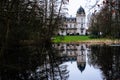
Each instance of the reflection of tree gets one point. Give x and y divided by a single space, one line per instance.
107 58
31 63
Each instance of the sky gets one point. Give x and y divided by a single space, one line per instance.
74 5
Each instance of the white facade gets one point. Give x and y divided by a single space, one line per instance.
74 25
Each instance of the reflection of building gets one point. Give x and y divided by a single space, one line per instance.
81 59
74 25
73 52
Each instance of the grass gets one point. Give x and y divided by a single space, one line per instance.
71 38
66 39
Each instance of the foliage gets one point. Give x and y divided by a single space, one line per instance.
104 57
32 63
106 22
29 20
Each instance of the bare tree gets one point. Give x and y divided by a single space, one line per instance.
107 19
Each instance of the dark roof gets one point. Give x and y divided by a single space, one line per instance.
81 66
81 10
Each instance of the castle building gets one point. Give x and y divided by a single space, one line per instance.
74 25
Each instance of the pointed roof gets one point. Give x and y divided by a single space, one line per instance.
81 66
81 10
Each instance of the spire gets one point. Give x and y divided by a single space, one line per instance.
81 66
81 10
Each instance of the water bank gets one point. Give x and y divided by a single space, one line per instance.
99 42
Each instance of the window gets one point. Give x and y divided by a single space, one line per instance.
62 31
66 25
81 31
81 25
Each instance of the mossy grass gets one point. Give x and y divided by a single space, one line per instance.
70 38
67 39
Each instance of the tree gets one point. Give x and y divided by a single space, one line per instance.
107 20
29 19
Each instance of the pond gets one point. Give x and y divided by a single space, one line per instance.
75 56
60 62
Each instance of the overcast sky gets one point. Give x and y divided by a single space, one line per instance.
86 4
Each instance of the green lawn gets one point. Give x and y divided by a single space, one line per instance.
70 38
67 39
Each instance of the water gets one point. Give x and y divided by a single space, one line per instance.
79 67
90 73
60 62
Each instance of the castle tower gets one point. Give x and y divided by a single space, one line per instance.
80 21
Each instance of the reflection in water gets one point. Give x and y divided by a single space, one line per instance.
31 63
60 62
107 59
81 59
75 56
92 59
74 52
